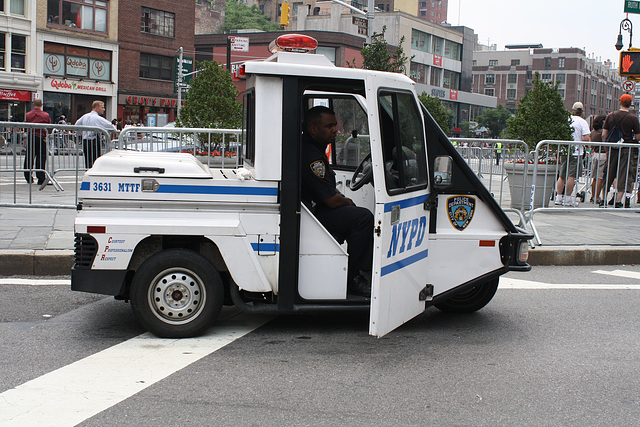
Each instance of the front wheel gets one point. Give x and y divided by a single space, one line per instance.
176 293
472 300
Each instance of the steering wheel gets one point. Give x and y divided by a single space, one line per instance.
364 169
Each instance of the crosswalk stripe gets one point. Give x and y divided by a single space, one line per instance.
510 283
76 392
620 273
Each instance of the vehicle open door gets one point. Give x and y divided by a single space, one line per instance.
400 278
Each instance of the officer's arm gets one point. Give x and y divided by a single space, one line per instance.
338 200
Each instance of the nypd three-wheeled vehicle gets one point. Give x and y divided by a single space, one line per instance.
179 240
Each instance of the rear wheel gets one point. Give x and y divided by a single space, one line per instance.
176 293
472 300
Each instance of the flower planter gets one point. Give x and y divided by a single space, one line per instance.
544 185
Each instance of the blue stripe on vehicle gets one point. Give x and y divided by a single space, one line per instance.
407 203
398 265
205 189
266 247
85 186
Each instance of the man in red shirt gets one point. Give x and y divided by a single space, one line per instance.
36 144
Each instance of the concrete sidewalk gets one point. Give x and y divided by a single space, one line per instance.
39 241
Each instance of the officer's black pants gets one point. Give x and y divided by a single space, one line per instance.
355 225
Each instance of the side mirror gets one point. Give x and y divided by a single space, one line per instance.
442 177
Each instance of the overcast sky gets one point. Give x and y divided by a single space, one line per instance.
589 24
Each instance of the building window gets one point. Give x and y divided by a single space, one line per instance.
87 15
561 92
452 50
561 63
515 62
77 62
156 67
423 13
18 53
418 72
157 22
436 74
547 63
474 62
419 41
328 52
493 62
16 7
2 50
437 45
451 80
511 94
489 79
546 77
561 78
489 91
512 78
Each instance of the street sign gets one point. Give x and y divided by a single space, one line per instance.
628 86
187 67
360 22
239 44
632 6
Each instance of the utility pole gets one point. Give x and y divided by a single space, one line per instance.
180 81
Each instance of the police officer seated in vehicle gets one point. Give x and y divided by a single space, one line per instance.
337 213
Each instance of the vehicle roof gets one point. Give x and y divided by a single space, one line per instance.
313 65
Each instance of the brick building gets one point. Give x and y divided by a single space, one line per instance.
508 76
151 32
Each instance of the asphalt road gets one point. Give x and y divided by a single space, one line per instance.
556 346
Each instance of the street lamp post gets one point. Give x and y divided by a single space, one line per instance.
625 25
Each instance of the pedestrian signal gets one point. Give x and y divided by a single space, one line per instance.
630 63
285 14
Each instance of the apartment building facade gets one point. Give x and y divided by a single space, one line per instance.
508 76
151 34
19 77
77 55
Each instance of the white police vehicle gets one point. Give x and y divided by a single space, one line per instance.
179 240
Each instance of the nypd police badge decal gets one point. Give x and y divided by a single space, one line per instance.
318 168
460 210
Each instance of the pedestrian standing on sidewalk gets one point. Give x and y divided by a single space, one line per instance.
598 160
569 169
91 140
37 150
626 161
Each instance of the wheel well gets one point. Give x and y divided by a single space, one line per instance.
154 244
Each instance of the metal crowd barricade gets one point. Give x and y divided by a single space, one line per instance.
213 147
34 155
492 161
553 169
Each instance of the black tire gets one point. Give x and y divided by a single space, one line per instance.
176 293
472 300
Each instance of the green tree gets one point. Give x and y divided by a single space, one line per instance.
438 111
468 129
377 55
240 16
212 99
540 115
494 119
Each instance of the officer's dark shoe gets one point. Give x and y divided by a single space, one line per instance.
610 203
359 286
627 202
619 205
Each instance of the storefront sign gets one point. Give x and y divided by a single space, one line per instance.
148 101
77 66
438 93
15 95
54 64
99 69
453 94
437 60
74 86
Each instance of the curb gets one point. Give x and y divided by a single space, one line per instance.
59 262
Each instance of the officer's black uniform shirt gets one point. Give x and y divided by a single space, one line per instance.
318 179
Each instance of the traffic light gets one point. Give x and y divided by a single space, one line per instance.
285 14
630 63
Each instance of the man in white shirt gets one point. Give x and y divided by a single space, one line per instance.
91 140
570 168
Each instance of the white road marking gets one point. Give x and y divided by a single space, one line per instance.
509 283
620 273
76 392
36 282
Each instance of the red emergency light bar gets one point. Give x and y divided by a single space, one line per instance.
293 43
